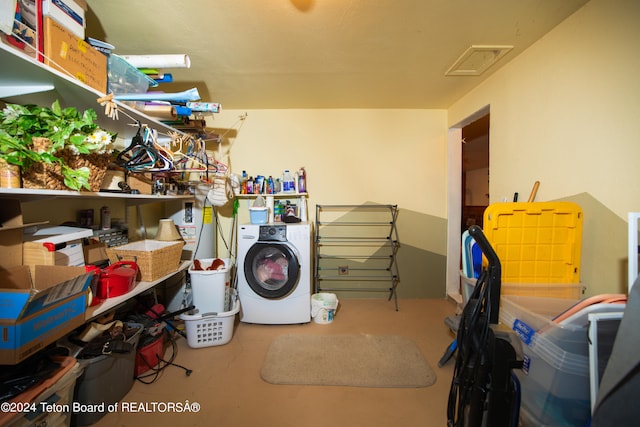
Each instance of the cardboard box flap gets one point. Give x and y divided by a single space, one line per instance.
11 215
43 299
16 290
16 278
22 295
47 276
12 303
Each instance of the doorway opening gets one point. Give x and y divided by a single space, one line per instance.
475 172
461 212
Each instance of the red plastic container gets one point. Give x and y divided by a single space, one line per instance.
117 279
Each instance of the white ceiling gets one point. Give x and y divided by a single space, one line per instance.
253 54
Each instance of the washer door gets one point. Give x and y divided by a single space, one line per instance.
271 269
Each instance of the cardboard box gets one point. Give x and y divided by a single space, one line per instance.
66 52
38 309
68 13
22 38
95 253
59 245
143 182
11 230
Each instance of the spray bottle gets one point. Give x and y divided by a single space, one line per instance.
302 180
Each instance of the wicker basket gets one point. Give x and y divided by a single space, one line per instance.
49 176
155 258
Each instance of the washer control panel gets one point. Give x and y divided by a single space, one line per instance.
273 233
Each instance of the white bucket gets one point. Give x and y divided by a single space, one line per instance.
323 307
208 287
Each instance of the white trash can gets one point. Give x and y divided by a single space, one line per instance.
323 307
208 287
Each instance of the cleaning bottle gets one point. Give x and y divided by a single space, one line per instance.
302 181
288 184
271 186
105 218
250 185
243 189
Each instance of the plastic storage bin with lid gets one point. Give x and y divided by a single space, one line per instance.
536 242
555 377
259 212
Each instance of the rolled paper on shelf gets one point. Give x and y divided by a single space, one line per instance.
164 112
183 111
211 107
163 78
159 61
188 95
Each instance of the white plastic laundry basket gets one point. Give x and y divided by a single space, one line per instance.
209 287
209 330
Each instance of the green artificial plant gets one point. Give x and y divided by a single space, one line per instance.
65 128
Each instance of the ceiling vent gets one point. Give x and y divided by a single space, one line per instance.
477 59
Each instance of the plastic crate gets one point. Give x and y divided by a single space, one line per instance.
571 291
56 391
554 380
210 330
536 242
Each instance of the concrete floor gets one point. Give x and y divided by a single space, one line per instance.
227 386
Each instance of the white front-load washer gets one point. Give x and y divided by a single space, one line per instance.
274 273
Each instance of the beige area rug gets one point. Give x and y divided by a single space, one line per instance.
346 360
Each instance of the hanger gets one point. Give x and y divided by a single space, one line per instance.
135 153
144 154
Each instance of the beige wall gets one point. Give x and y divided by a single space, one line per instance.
354 157
566 112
